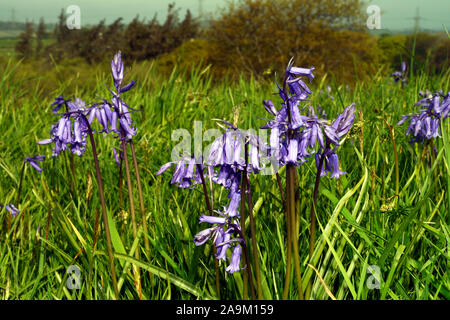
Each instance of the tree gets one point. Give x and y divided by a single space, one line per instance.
40 35
188 28
260 36
24 46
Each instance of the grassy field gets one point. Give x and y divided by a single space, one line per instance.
360 224
7 46
9 39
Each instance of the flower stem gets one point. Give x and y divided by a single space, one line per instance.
137 279
103 204
247 261
291 171
22 173
287 279
69 175
244 187
312 232
210 209
252 229
280 186
72 170
121 201
141 197
394 145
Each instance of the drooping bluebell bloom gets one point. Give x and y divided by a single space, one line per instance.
186 174
226 234
229 150
294 136
59 102
119 110
116 157
400 75
289 115
34 161
331 163
235 260
12 210
341 125
424 125
66 134
297 86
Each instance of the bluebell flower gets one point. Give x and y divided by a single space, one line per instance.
67 135
186 174
59 102
297 86
331 163
235 260
400 75
228 150
226 234
116 157
34 162
12 210
424 125
120 111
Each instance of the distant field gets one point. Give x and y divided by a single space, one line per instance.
8 40
9 33
7 44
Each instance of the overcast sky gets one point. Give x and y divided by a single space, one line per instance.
396 14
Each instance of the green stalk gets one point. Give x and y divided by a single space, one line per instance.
290 206
210 209
244 187
137 277
294 236
287 279
141 197
247 260
445 137
397 174
72 169
105 215
252 229
69 175
280 186
312 232
121 180
22 173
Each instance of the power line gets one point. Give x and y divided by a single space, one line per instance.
200 8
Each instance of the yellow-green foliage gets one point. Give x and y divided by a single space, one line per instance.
191 53
393 49
260 36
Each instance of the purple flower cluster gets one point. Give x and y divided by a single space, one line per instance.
34 162
295 135
186 174
119 109
11 209
226 163
226 234
400 75
424 125
293 138
72 128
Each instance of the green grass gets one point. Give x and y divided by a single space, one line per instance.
358 222
9 39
